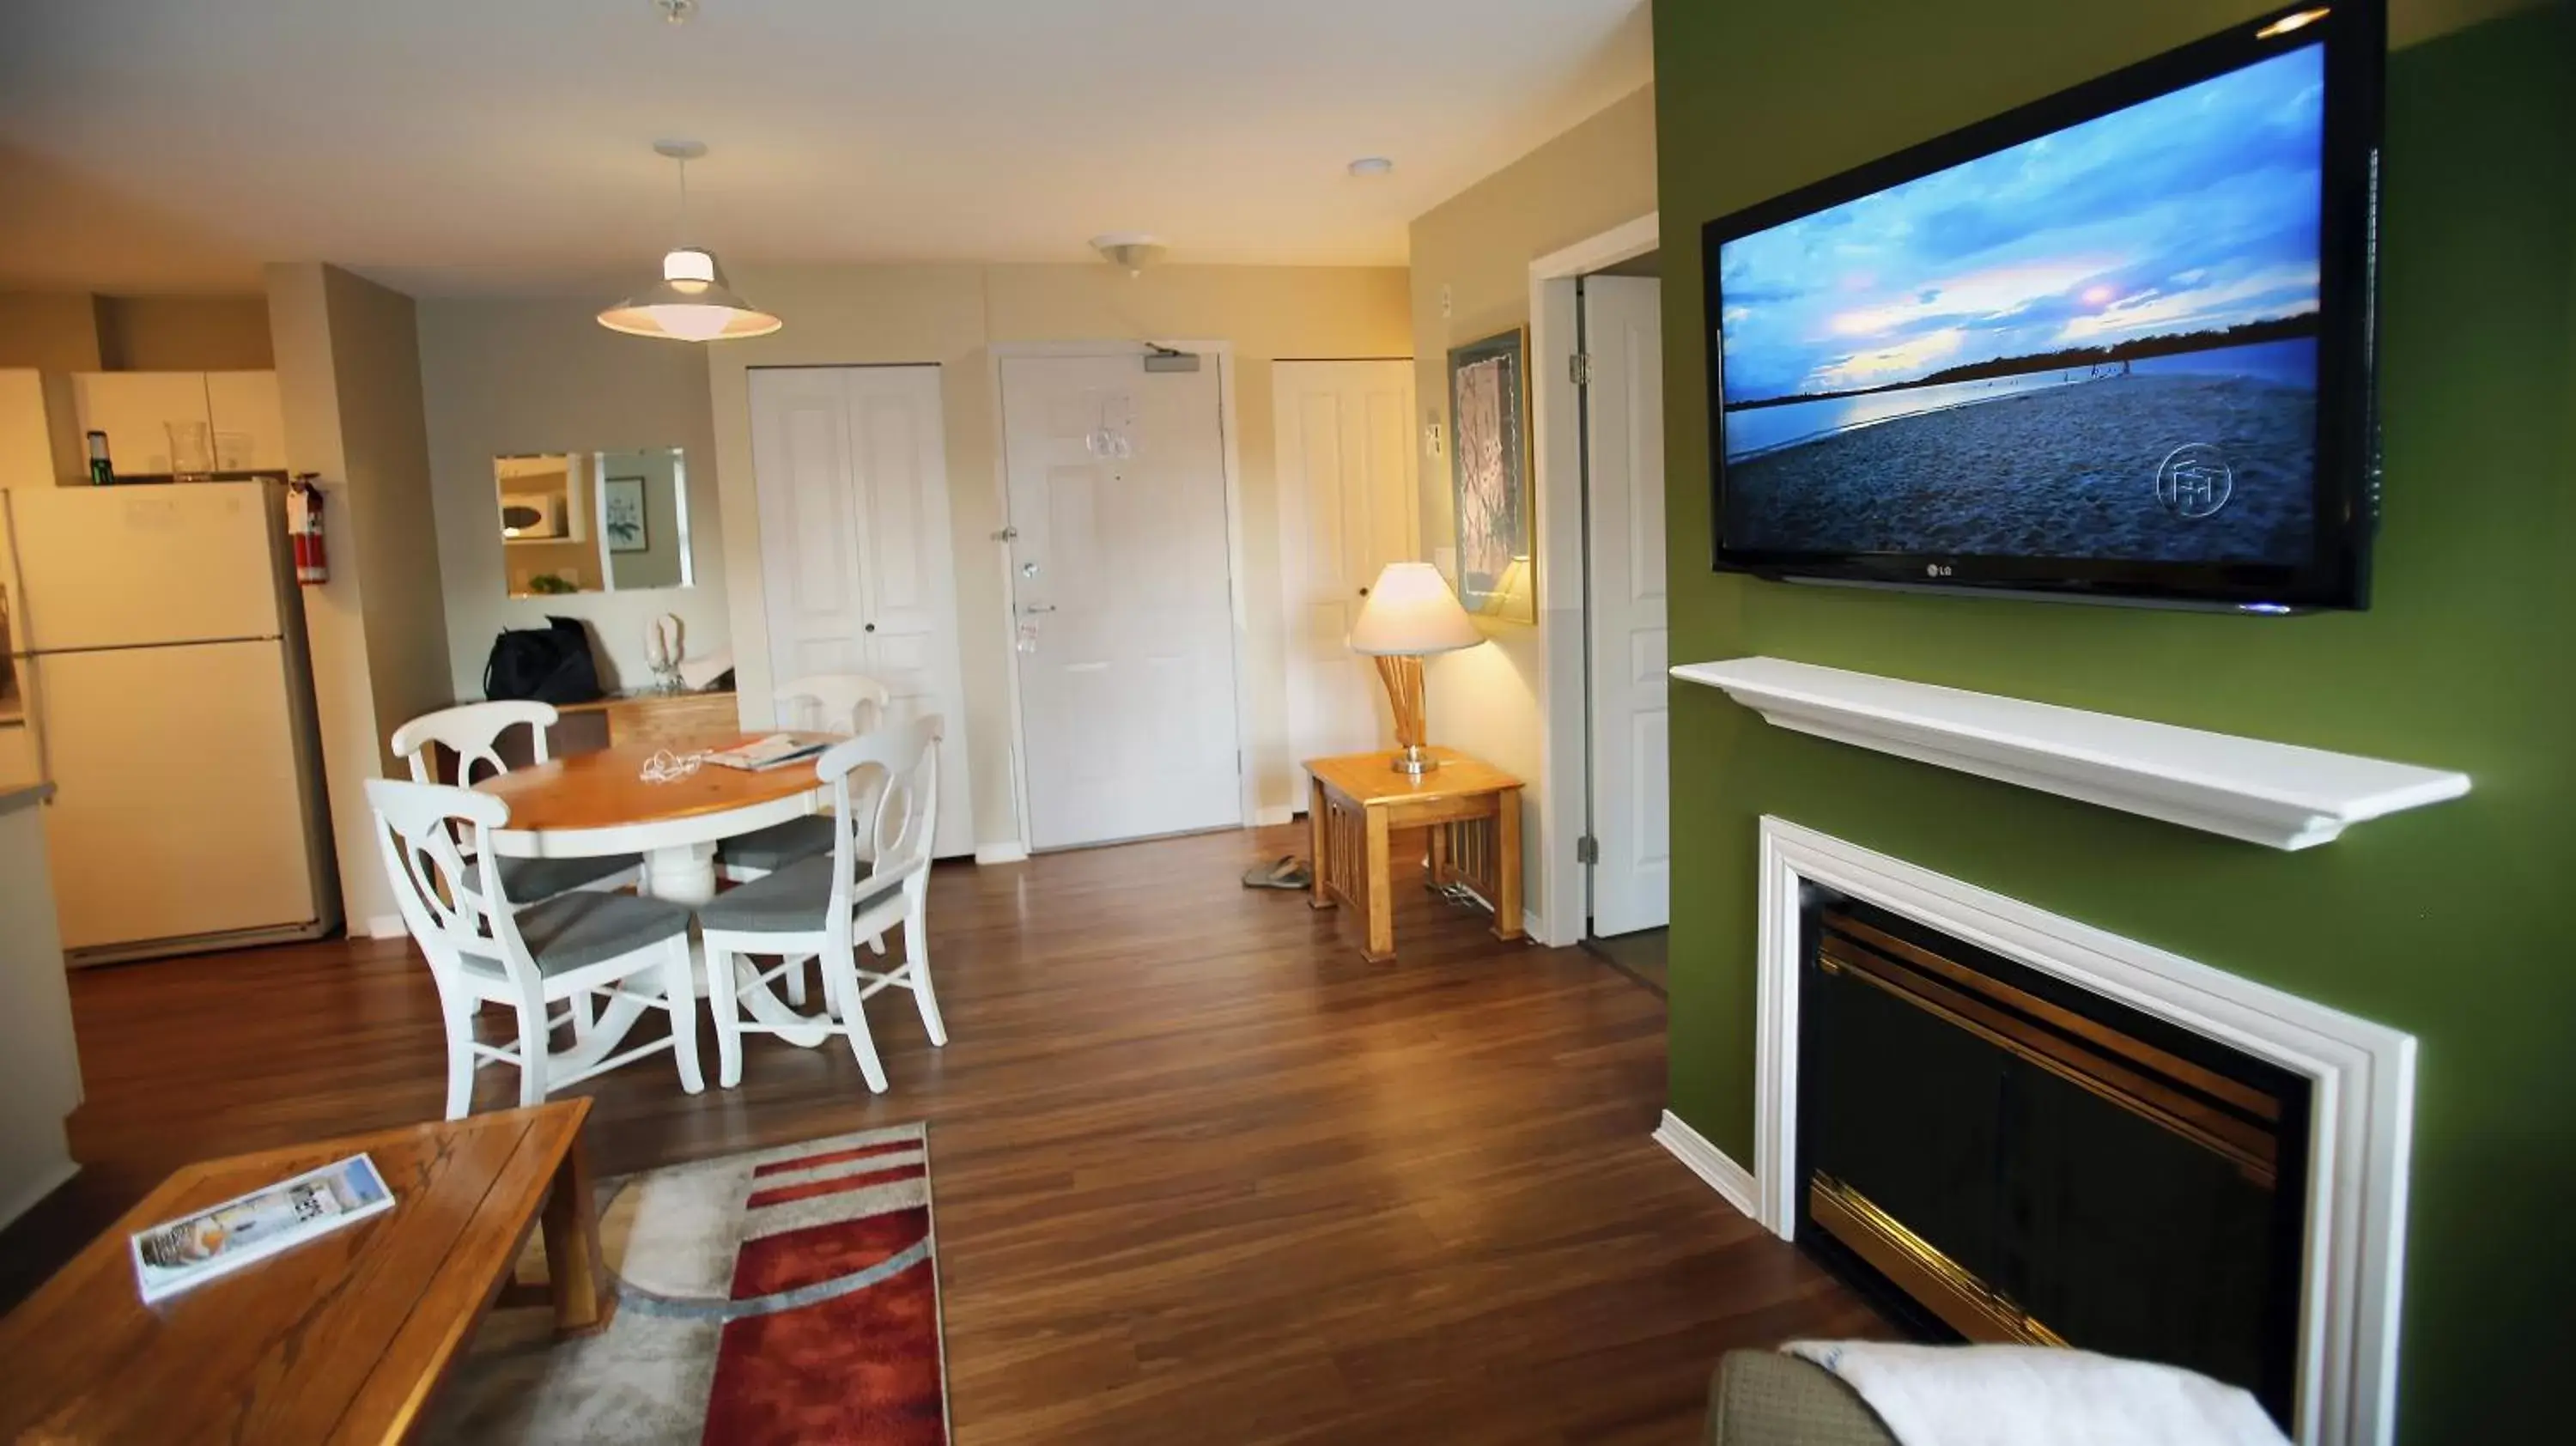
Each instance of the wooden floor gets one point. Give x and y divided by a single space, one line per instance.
1201 1175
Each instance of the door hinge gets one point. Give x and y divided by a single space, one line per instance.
1587 850
1578 368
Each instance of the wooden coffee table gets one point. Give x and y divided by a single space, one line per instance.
1360 802
341 1339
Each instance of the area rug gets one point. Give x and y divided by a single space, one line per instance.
787 1295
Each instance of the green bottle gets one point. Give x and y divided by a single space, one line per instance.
100 473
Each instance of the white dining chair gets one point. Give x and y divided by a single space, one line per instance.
822 907
850 704
473 732
618 951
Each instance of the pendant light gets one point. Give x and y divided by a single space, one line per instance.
691 302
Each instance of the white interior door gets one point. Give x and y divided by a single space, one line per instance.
857 570
1122 599
1346 509
1625 612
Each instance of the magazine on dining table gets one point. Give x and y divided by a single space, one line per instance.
775 751
178 1255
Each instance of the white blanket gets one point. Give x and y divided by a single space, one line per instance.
2039 1396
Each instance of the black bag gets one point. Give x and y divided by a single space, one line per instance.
550 664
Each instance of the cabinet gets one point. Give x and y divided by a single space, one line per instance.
249 421
135 410
38 445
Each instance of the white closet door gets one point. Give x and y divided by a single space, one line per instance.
857 570
1120 585
1631 768
1346 510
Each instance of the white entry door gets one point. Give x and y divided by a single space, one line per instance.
857 571
1625 606
1346 509
1121 598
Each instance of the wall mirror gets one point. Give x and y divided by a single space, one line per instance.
593 521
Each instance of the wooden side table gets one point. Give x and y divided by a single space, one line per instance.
1472 809
341 1339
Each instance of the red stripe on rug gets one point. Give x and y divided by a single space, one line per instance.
861 1152
862 1367
834 1186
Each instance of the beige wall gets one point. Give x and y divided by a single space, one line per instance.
184 334
55 331
73 331
1475 249
526 376
954 315
348 365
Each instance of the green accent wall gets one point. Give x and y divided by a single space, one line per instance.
2447 923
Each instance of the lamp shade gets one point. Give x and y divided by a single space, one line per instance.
1410 610
690 303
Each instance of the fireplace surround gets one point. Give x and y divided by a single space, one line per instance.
2358 1077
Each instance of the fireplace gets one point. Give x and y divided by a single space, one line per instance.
2001 1156
2255 1073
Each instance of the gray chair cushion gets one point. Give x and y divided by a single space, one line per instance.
525 881
778 845
1762 1398
790 901
570 931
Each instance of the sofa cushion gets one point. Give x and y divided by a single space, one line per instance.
1763 1398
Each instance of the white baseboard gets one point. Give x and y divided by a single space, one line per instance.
1265 817
1533 926
1001 853
1707 1161
386 926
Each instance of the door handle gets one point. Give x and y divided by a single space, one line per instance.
1037 607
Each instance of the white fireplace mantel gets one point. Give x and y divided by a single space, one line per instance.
2276 794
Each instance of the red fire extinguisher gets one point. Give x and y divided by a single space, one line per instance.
304 521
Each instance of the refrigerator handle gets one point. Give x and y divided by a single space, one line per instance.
31 700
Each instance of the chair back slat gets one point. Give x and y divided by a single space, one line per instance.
472 731
450 891
895 833
847 703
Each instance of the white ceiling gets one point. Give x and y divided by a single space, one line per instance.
478 146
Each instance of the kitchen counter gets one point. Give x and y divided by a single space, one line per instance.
24 796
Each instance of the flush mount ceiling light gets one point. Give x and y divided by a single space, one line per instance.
691 302
1130 251
1372 166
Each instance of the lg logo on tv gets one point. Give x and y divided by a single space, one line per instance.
1937 569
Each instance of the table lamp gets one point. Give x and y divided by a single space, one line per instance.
1410 612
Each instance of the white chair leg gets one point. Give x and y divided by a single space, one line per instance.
532 1052
680 992
795 982
460 1059
583 1017
916 964
854 1022
726 1009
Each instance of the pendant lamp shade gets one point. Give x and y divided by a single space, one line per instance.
690 303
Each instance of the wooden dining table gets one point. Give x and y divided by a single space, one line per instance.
599 803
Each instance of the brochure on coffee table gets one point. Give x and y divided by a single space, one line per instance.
177 1255
775 751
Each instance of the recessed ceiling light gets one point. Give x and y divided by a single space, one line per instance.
1372 166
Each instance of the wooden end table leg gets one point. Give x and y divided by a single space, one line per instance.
571 1230
1319 832
1439 855
1381 890
1507 864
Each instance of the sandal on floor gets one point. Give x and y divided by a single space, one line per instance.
1285 872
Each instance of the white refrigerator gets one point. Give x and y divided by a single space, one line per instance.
158 644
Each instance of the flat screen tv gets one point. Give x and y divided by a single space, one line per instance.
2114 344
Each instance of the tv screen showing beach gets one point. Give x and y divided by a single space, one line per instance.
2100 344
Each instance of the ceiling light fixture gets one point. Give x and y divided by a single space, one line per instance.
1131 251
1372 166
691 302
